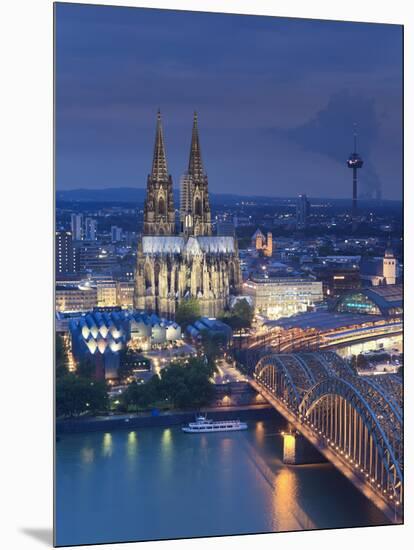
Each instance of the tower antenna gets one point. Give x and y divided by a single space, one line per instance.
355 162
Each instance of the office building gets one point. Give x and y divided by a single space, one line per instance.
76 223
116 234
91 228
65 256
302 212
75 297
282 296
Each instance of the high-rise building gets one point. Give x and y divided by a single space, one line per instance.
159 213
64 253
91 228
302 212
76 223
116 234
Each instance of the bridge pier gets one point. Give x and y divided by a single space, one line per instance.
297 450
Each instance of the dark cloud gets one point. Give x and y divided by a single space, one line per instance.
306 81
330 133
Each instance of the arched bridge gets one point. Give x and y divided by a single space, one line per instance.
356 422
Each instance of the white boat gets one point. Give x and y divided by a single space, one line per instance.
202 425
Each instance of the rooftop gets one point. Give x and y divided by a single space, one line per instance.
323 320
172 244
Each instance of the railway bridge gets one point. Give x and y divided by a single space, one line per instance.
355 422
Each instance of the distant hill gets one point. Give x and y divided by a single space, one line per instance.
120 194
137 195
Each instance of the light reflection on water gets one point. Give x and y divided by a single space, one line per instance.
132 445
107 445
152 483
87 454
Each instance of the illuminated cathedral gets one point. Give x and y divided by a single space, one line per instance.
191 263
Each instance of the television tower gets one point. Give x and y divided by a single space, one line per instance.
354 161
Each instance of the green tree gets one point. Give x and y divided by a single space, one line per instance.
86 367
189 385
136 396
60 357
239 317
76 395
213 344
188 311
142 396
244 311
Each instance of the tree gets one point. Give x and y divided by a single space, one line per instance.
76 395
136 395
187 385
142 396
188 311
243 311
239 317
86 367
213 344
60 357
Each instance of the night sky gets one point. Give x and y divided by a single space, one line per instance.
276 99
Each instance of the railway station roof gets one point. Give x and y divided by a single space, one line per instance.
323 320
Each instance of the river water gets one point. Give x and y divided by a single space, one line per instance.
159 483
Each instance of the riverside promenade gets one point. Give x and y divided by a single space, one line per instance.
163 418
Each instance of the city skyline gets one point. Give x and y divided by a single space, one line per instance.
260 128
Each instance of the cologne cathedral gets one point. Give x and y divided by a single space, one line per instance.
190 263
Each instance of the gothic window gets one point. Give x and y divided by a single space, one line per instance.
232 275
157 269
147 276
161 207
197 207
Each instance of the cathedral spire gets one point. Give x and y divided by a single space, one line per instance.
195 165
159 212
195 215
159 170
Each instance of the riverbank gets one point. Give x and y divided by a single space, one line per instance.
162 419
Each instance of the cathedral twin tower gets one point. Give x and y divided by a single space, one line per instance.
192 264
159 212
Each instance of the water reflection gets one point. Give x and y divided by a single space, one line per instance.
166 441
165 477
87 455
107 445
288 513
260 432
132 445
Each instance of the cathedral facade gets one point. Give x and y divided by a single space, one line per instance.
191 263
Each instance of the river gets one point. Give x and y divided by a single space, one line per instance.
159 483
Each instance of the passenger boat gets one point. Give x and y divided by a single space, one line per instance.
202 425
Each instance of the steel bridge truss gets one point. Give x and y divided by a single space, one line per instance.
358 418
